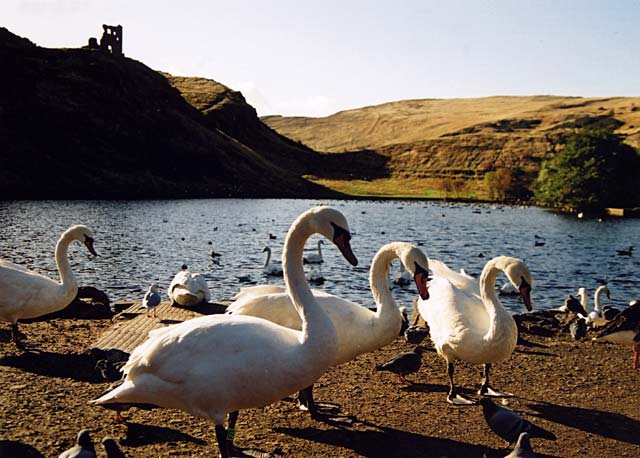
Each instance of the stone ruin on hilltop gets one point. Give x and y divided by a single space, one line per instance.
111 40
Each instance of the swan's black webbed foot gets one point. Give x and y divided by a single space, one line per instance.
488 391
458 399
237 452
327 408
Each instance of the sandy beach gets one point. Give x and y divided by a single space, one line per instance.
587 394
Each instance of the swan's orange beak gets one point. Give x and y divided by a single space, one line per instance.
421 276
525 294
341 238
88 242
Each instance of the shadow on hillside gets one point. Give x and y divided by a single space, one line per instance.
353 165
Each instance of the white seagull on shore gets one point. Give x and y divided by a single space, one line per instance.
151 299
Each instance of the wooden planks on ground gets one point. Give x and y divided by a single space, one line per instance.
131 327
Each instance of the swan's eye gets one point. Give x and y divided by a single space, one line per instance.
524 285
339 232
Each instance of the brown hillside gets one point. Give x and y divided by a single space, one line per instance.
461 137
80 123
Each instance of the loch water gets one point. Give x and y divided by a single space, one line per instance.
140 242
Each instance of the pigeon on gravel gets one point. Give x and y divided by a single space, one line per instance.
508 424
83 448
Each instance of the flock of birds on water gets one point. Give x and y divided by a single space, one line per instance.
273 341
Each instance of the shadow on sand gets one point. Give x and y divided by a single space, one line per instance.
390 442
607 424
15 449
78 367
139 434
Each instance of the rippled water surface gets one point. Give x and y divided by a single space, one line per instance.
140 242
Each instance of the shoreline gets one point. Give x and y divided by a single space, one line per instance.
587 394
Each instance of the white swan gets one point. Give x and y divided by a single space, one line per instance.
315 276
359 330
401 277
218 364
188 288
26 294
271 268
595 316
314 258
475 328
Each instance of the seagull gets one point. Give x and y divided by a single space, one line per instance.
112 449
523 448
404 364
151 299
508 424
83 448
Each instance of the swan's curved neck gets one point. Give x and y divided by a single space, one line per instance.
596 298
378 280
67 279
492 304
583 298
266 263
315 322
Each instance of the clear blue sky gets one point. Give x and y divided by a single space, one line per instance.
313 58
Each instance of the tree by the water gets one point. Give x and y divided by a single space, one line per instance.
595 170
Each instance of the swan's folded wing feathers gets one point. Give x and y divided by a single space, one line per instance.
460 281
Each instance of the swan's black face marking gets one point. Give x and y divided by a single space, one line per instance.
420 278
88 242
525 293
341 238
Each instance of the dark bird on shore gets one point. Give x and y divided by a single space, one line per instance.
83 449
508 424
404 364
112 449
609 312
415 334
272 237
523 448
571 304
628 252
109 371
624 329
578 328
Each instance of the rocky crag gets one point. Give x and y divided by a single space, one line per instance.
84 124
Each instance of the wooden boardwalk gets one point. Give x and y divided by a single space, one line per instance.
131 327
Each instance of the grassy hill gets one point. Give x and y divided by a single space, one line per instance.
81 124
420 145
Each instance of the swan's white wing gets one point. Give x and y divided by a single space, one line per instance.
457 320
10 265
258 290
26 294
459 280
176 367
